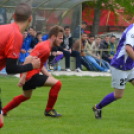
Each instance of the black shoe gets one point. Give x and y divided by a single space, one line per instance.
97 112
7 115
52 113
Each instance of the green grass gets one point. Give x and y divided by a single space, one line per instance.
76 98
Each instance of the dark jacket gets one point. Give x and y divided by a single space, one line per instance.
70 43
104 45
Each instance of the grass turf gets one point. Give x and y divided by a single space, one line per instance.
76 98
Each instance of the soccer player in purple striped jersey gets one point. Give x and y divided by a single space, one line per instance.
122 69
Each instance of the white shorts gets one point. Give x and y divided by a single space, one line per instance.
120 78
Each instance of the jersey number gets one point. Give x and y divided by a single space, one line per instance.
123 82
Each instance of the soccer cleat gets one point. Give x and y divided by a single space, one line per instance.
52 113
97 112
7 115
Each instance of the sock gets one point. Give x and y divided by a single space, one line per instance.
14 103
1 124
53 94
106 100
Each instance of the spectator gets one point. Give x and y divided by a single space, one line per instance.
25 48
77 30
104 45
32 35
45 37
77 47
39 37
67 50
111 45
89 54
96 46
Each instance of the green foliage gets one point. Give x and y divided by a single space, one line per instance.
76 98
112 5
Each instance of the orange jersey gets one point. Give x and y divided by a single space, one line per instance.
11 41
42 51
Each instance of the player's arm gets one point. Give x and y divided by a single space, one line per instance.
45 72
129 51
28 59
130 44
12 67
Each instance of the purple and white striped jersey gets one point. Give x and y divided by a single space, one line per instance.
121 60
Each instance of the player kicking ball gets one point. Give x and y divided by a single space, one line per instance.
122 69
34 79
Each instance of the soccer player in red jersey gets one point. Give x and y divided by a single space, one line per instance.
11 41
34 79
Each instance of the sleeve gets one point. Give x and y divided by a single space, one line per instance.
13 68
130 39
39 52
14 45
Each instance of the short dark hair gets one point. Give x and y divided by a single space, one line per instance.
113 36
55 30
66 27
22 12
90 36
106 35
39 33
84 22
98 37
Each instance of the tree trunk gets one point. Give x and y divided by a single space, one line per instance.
95 27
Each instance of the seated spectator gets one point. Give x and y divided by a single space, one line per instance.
67 50
104 45
96 46
39 37
82 27
79 45
111 45
24 52
88 51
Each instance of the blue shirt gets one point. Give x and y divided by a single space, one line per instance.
26 45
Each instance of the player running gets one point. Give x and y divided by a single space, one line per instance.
122 69
11 41
34 79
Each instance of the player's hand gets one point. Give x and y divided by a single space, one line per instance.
23 51
36 62
21 82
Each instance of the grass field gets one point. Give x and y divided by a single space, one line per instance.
75 101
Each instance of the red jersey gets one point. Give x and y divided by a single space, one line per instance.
11 41
42 51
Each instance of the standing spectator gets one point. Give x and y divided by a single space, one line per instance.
96 46
67 50
82 27
32 35
111 45
25 48
104 45
39 37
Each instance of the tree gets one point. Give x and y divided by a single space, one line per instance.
126 5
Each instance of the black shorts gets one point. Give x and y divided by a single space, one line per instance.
36 81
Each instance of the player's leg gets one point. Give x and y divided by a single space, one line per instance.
17 100
118 82
53 95
1 116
